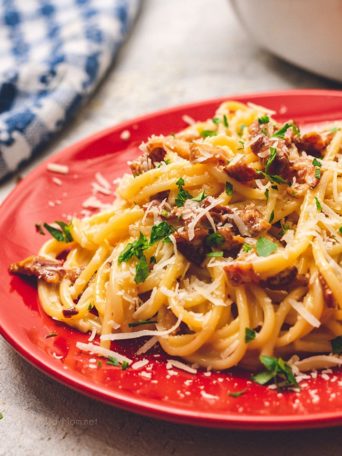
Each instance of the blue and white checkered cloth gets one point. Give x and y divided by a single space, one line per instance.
53 53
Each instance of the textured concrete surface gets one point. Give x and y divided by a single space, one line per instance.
180 51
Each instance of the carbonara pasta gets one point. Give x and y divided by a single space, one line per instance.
224 244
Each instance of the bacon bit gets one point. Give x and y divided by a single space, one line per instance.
148 160
281 280
312 143
193 251
240 273
207 153
241 172
49 270
231 240
70 312
254 220
327 293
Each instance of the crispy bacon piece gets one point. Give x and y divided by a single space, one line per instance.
194 250
327 293
241 172
49 270
148 160
254 220
70 312
260 144
231 240
281 280
206 153
240 273
312 143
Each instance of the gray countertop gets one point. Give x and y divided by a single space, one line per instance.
179 51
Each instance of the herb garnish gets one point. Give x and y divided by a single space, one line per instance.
160 232
225 121
183 195
214 239
265 247
281 132
267 194
270 160
134 324
216 120
111 361
336 345
229 188
61 235
246 247
276 369
271 217
153 260
242 127
124 365
284 227
1 415
271 177
237 393
263 119
141 270
51 335
216 254
249 335
317 164
99 364
206 133
200 197
318 204
340 230
134 249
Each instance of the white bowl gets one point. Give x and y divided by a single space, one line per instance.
307 33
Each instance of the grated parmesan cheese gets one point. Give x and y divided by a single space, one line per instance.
304 313
92 348
57 168
181 366
147 345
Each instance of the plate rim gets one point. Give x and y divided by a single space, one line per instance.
146 406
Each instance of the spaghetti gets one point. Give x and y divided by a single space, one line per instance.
225 243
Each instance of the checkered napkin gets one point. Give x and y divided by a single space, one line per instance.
53 53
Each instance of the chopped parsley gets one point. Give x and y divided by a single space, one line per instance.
182 195
1 415
336 345
206 133
281 132
134 249
51 335
214 240
249 335
216 254
160 232
153 260
99 364
317 164
61 235
318 204
225 121
216 120
265 247
141 270
335 130
278 371
272 177
90 307
229 188
200 197
124 365
284 227
237 393
271 158
246 247
111 361
242 127
340 230
263 119
271 217
134 324
267 194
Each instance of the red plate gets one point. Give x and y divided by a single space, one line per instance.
174 395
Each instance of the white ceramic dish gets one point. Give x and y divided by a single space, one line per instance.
307 33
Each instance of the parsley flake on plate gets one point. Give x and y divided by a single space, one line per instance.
278 371
265 247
